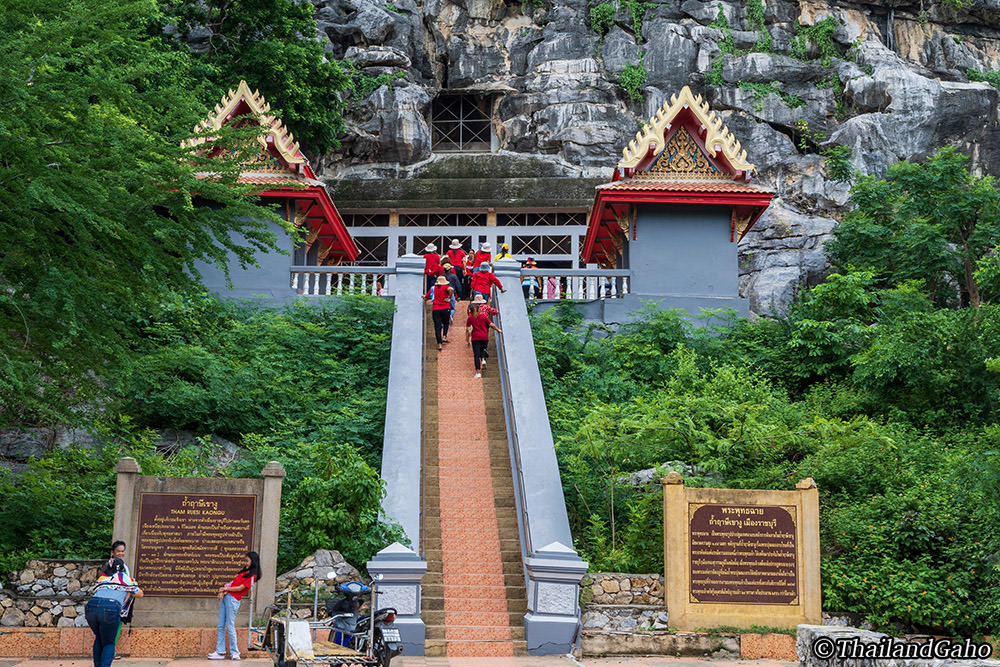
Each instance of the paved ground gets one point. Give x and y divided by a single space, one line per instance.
402 661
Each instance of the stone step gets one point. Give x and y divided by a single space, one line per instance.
514 632
437 577
433 591
512 618
439 648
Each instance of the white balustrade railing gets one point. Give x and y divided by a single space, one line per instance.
576 284
330 280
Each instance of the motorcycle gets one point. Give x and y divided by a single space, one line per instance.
374 634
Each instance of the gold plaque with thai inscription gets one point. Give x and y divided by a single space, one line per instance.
742 554
190 544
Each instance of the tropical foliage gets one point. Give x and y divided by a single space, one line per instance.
876 383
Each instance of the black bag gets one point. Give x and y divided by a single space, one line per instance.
127 618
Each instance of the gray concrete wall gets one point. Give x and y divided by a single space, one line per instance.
401 456
683 250
268 281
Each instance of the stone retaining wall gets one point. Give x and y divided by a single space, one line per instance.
617 588
52 593
48 593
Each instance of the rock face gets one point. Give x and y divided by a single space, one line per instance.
895 89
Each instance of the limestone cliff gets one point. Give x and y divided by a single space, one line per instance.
888 80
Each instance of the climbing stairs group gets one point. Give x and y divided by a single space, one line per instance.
473 595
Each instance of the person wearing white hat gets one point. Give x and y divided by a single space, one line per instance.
439 295
482 255
457 257
432 264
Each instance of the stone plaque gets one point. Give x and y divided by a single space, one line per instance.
190 544
742 554
741 557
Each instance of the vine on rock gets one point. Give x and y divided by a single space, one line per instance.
762 90
820 35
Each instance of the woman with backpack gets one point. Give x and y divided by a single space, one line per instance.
440 297
229 603
113 595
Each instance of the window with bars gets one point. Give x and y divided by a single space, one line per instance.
461 122
442 219
366 220
529 219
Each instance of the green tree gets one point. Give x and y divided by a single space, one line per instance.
98 204
931 221
272 44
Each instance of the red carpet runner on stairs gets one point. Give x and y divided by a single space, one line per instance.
475 604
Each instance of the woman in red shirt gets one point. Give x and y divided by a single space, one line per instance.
483 255
440 297
432 264
229 603
457 257
477 333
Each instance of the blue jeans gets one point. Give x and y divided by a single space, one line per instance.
227 625
104 615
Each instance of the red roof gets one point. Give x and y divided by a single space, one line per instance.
680 186
282 171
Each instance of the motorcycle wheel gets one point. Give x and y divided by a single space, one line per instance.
381 650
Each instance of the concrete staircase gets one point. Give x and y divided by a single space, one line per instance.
473 595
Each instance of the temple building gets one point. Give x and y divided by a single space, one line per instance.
287 181
678 203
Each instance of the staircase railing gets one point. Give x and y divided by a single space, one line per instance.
576 284
552 567
338 280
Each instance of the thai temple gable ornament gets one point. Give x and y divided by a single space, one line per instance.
718 141
277 134
281 172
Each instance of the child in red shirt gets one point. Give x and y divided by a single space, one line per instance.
477 333
483 281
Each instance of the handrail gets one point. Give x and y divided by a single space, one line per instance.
330 280
595 273
422 546
341 269
512 444
576 284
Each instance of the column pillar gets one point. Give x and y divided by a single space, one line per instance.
125 526
397 572
552 624
270 513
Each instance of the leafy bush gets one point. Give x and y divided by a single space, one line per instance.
602 17
888 403
632 79
229 368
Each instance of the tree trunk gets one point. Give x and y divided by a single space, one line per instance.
970 282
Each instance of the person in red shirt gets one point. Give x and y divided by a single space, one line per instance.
229 603
483 281
440 297
483 255
477 333
432 264
457 257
